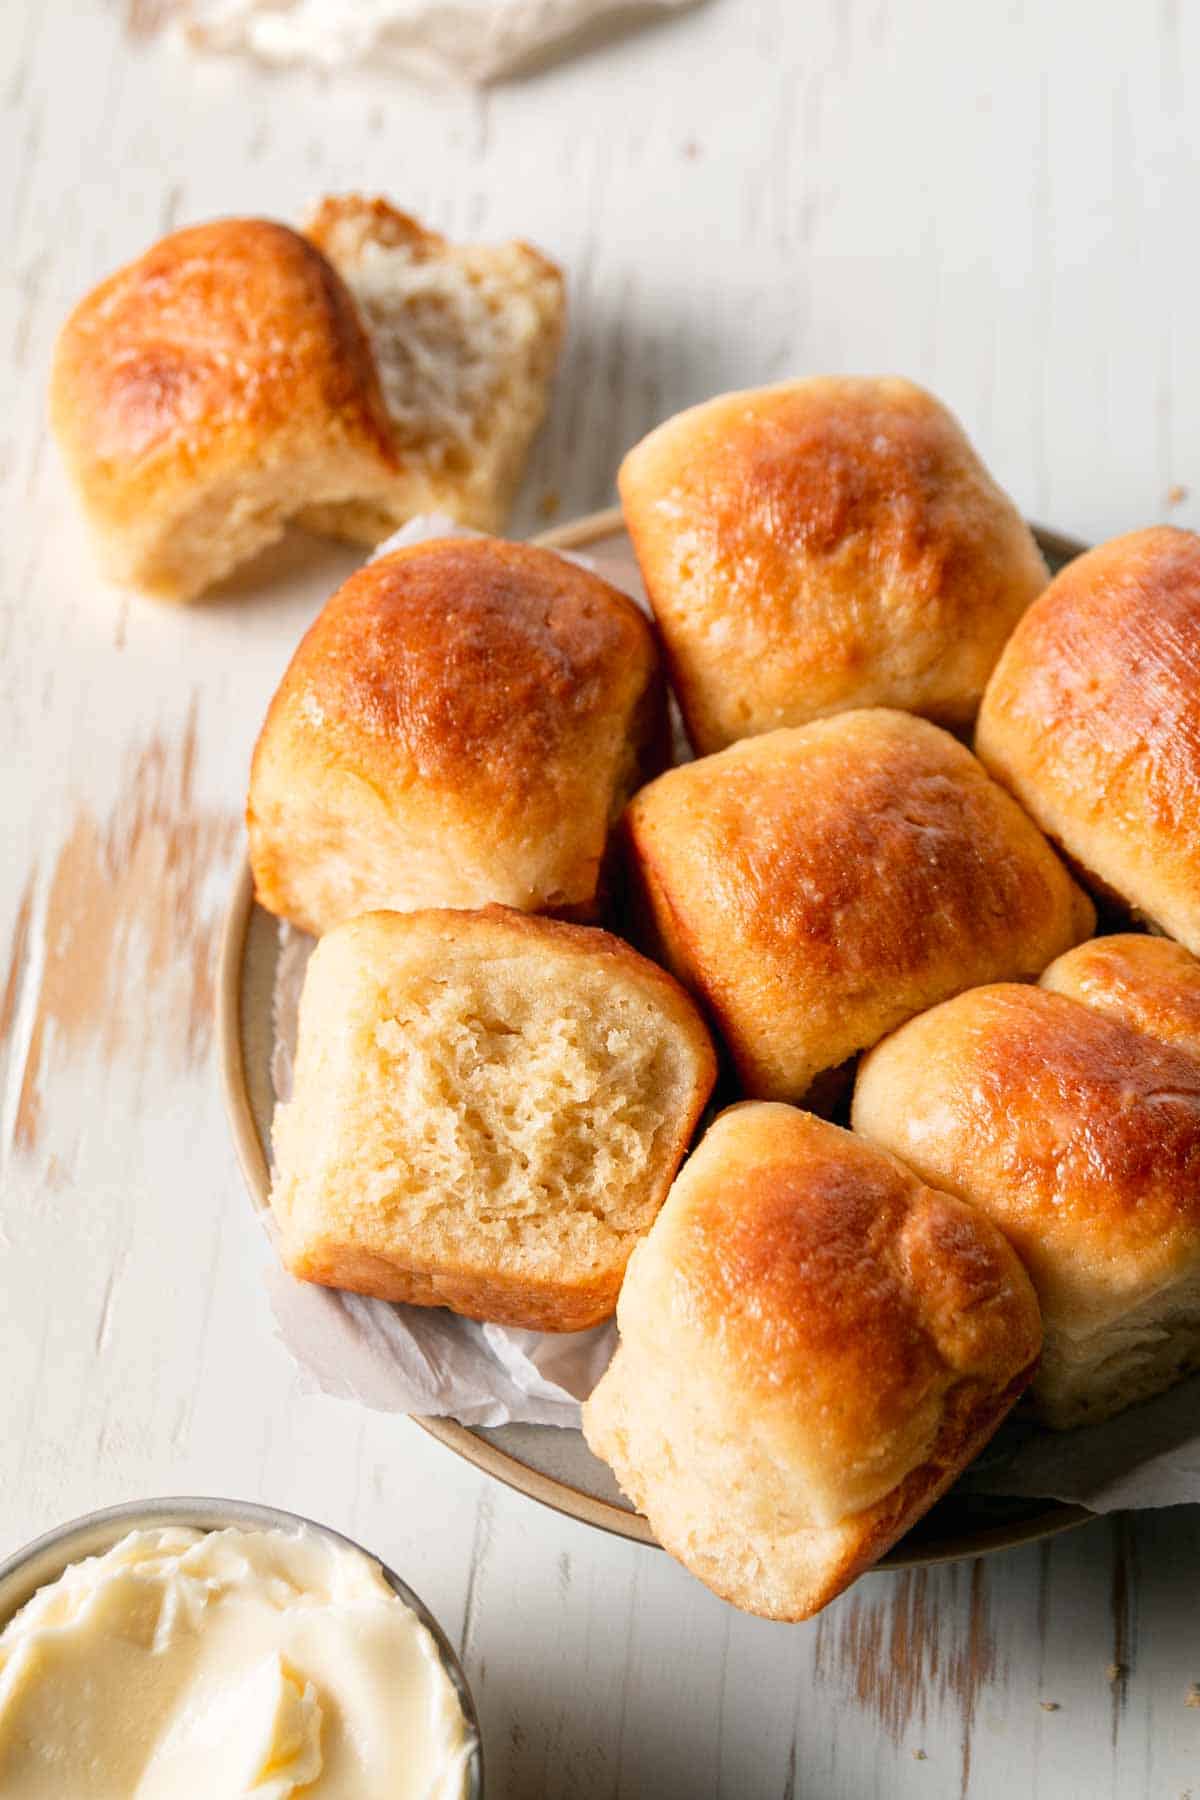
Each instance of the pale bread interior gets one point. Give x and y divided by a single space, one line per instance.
465 339
514 1116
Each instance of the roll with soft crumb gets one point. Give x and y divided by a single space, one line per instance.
466 339
1069 1113
462 725
1092 719
488 1111
822 545
812 1346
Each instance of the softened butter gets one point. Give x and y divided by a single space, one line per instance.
226 1665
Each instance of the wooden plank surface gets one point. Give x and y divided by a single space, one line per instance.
998 201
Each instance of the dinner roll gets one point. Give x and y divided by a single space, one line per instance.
1092 718
820 545
488 1110
462 724
815 887
812 1346
206 393
1070 1114
1151 983
466 338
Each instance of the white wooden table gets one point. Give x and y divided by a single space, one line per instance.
1000 201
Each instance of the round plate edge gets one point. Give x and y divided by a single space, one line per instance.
486 1456
249 1147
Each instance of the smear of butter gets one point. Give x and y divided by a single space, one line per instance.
233 1664
260 1739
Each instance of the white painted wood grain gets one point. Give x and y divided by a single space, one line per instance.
997 200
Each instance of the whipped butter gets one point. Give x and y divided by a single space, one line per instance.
226 1665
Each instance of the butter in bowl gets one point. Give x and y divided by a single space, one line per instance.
208 1647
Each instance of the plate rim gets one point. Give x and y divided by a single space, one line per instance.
490 1458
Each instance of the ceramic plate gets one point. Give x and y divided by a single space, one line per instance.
546 1462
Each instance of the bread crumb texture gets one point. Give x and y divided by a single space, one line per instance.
482 1118
528 1107
466 339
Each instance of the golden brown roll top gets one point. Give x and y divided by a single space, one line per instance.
1149 982
207 392
1067 1113
462 724
1092 719
822 545
812 1345
488 1111
815 887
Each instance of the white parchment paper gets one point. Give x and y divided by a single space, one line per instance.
417 1359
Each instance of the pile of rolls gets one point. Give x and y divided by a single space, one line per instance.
957 1156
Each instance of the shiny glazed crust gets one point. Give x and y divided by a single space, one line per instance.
1149 982
812 1346
1070 1113
821 545
206 393
817 886
462 724
1079 1134
1092 719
